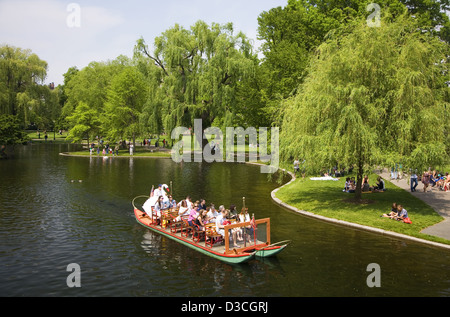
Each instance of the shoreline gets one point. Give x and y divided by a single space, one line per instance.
296 210
350 224
66 154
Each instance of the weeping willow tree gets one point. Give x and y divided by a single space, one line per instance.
194 74
125 100
22 74
373 96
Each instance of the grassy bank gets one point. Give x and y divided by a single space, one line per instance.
327 199
51 137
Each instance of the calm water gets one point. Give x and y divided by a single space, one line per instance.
47 222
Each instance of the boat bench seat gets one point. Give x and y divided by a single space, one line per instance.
212 237
197 234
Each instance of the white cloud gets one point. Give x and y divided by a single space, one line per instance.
41 25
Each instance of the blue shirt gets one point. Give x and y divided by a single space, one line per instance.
403 213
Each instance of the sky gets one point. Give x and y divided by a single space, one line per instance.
75 33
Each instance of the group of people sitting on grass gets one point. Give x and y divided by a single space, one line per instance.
199 215
398 213
350 185
434 179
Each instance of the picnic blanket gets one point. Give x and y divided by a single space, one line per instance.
324 178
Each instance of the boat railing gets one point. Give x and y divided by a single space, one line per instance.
260 235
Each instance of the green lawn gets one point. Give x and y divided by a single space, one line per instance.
52 137
326 198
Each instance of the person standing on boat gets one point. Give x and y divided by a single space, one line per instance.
245 217
159 191
220 226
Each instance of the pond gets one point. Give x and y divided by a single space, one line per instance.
56 210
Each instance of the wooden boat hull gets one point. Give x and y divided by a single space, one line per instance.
228 258
270 252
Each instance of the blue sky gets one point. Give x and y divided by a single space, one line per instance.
111 28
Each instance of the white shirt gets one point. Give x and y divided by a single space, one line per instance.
158 192
212 214
219 222
244 218
183 211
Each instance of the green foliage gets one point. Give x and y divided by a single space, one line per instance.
195 73
291 34
21 91
90 85
125 99
85 123
10 131
369 99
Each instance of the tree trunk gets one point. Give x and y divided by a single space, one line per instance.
359 178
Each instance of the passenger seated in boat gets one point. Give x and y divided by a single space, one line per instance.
183 210
222 207
193 214
202 204
171 203
189 202
201 219
212 213
221 221
159 206
237 231
233 212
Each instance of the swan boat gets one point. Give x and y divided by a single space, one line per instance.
206 240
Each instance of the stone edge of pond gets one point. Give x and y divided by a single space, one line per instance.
349 224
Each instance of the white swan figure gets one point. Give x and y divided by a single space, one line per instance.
153 199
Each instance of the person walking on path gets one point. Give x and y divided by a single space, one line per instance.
425 180
414 183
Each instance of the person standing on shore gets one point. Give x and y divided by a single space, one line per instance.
413 181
